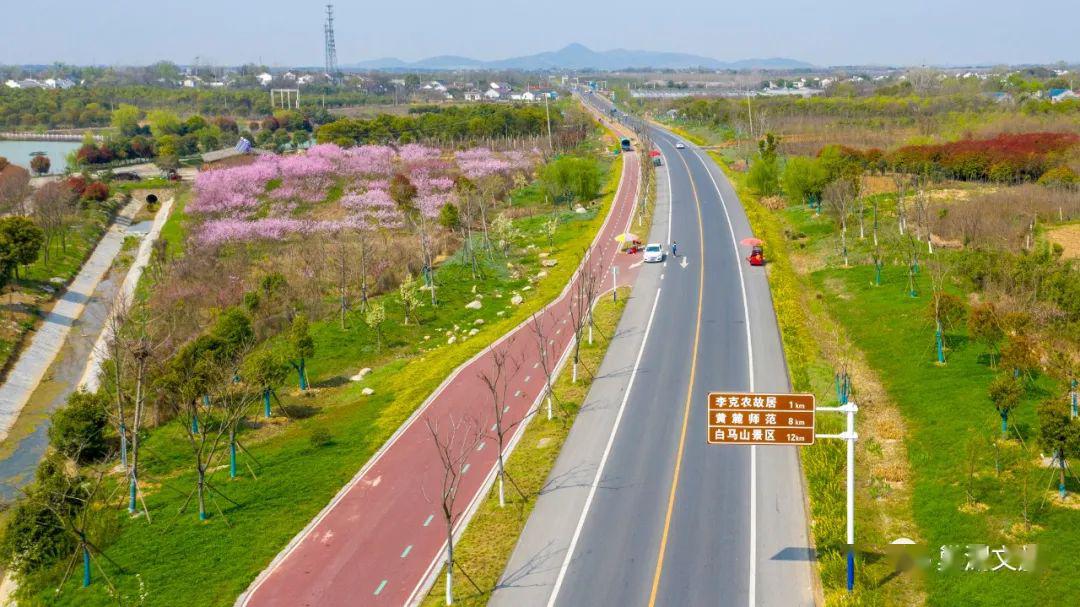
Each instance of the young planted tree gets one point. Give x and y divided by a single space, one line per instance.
985 328
1020 354
302 347
585 289
374 318
1005 393
409 293
76 503
946 310
839 196
265 369
547 358
1059 434
454 442
20 244
496 378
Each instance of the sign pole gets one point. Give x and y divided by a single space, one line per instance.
850 495
614 282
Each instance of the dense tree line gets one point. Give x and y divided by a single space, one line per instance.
80 107
467 123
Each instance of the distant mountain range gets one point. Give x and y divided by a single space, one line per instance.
579 57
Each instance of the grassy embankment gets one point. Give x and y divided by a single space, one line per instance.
34 292
950 481
297 475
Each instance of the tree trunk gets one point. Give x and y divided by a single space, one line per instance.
202 492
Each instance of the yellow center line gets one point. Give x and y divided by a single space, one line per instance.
689 391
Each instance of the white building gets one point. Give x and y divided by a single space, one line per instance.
492 94
473 95
264 79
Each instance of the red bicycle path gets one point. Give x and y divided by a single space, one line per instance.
381 539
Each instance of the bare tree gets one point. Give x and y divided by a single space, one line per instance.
53 205
454 442
922 213
546 357
583 294
901 181
839 196
14 188
496 378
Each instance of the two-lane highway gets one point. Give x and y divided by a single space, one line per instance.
669 519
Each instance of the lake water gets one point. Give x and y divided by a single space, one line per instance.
18 152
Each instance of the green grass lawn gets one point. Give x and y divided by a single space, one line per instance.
950 421
179 561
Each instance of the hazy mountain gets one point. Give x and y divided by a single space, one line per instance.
577 56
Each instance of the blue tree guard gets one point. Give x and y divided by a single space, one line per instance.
86 566
195 423
232 458
1061 478
266 402
940 344
132 483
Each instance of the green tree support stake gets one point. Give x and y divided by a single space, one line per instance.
940 345
1061 474
195 423
123 446
131 494
232 454
85 566
266 402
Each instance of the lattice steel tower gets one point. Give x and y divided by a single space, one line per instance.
331 47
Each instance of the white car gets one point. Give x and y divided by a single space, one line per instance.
654 252
680 145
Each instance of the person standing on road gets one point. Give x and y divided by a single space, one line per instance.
674 249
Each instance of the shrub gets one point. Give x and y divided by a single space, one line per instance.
78 429
33 537
97 191
320 437
40 164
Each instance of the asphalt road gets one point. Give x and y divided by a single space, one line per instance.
639 509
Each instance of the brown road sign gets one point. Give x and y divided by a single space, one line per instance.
760 419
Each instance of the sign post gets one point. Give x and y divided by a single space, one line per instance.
761 419
849 435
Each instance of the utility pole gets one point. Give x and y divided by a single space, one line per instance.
750 114
547 112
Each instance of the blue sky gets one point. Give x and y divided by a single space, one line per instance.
279 32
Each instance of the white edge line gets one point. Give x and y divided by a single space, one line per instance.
750 358
603 460
242 600
670 199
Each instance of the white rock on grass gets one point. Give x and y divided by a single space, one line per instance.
544 255
367 392
541 274
516 300
474 304
361 375
478 321
473 332
579 209
548 263
452 339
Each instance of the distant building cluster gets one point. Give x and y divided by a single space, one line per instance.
48 83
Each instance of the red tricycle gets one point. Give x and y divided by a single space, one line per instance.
757 256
